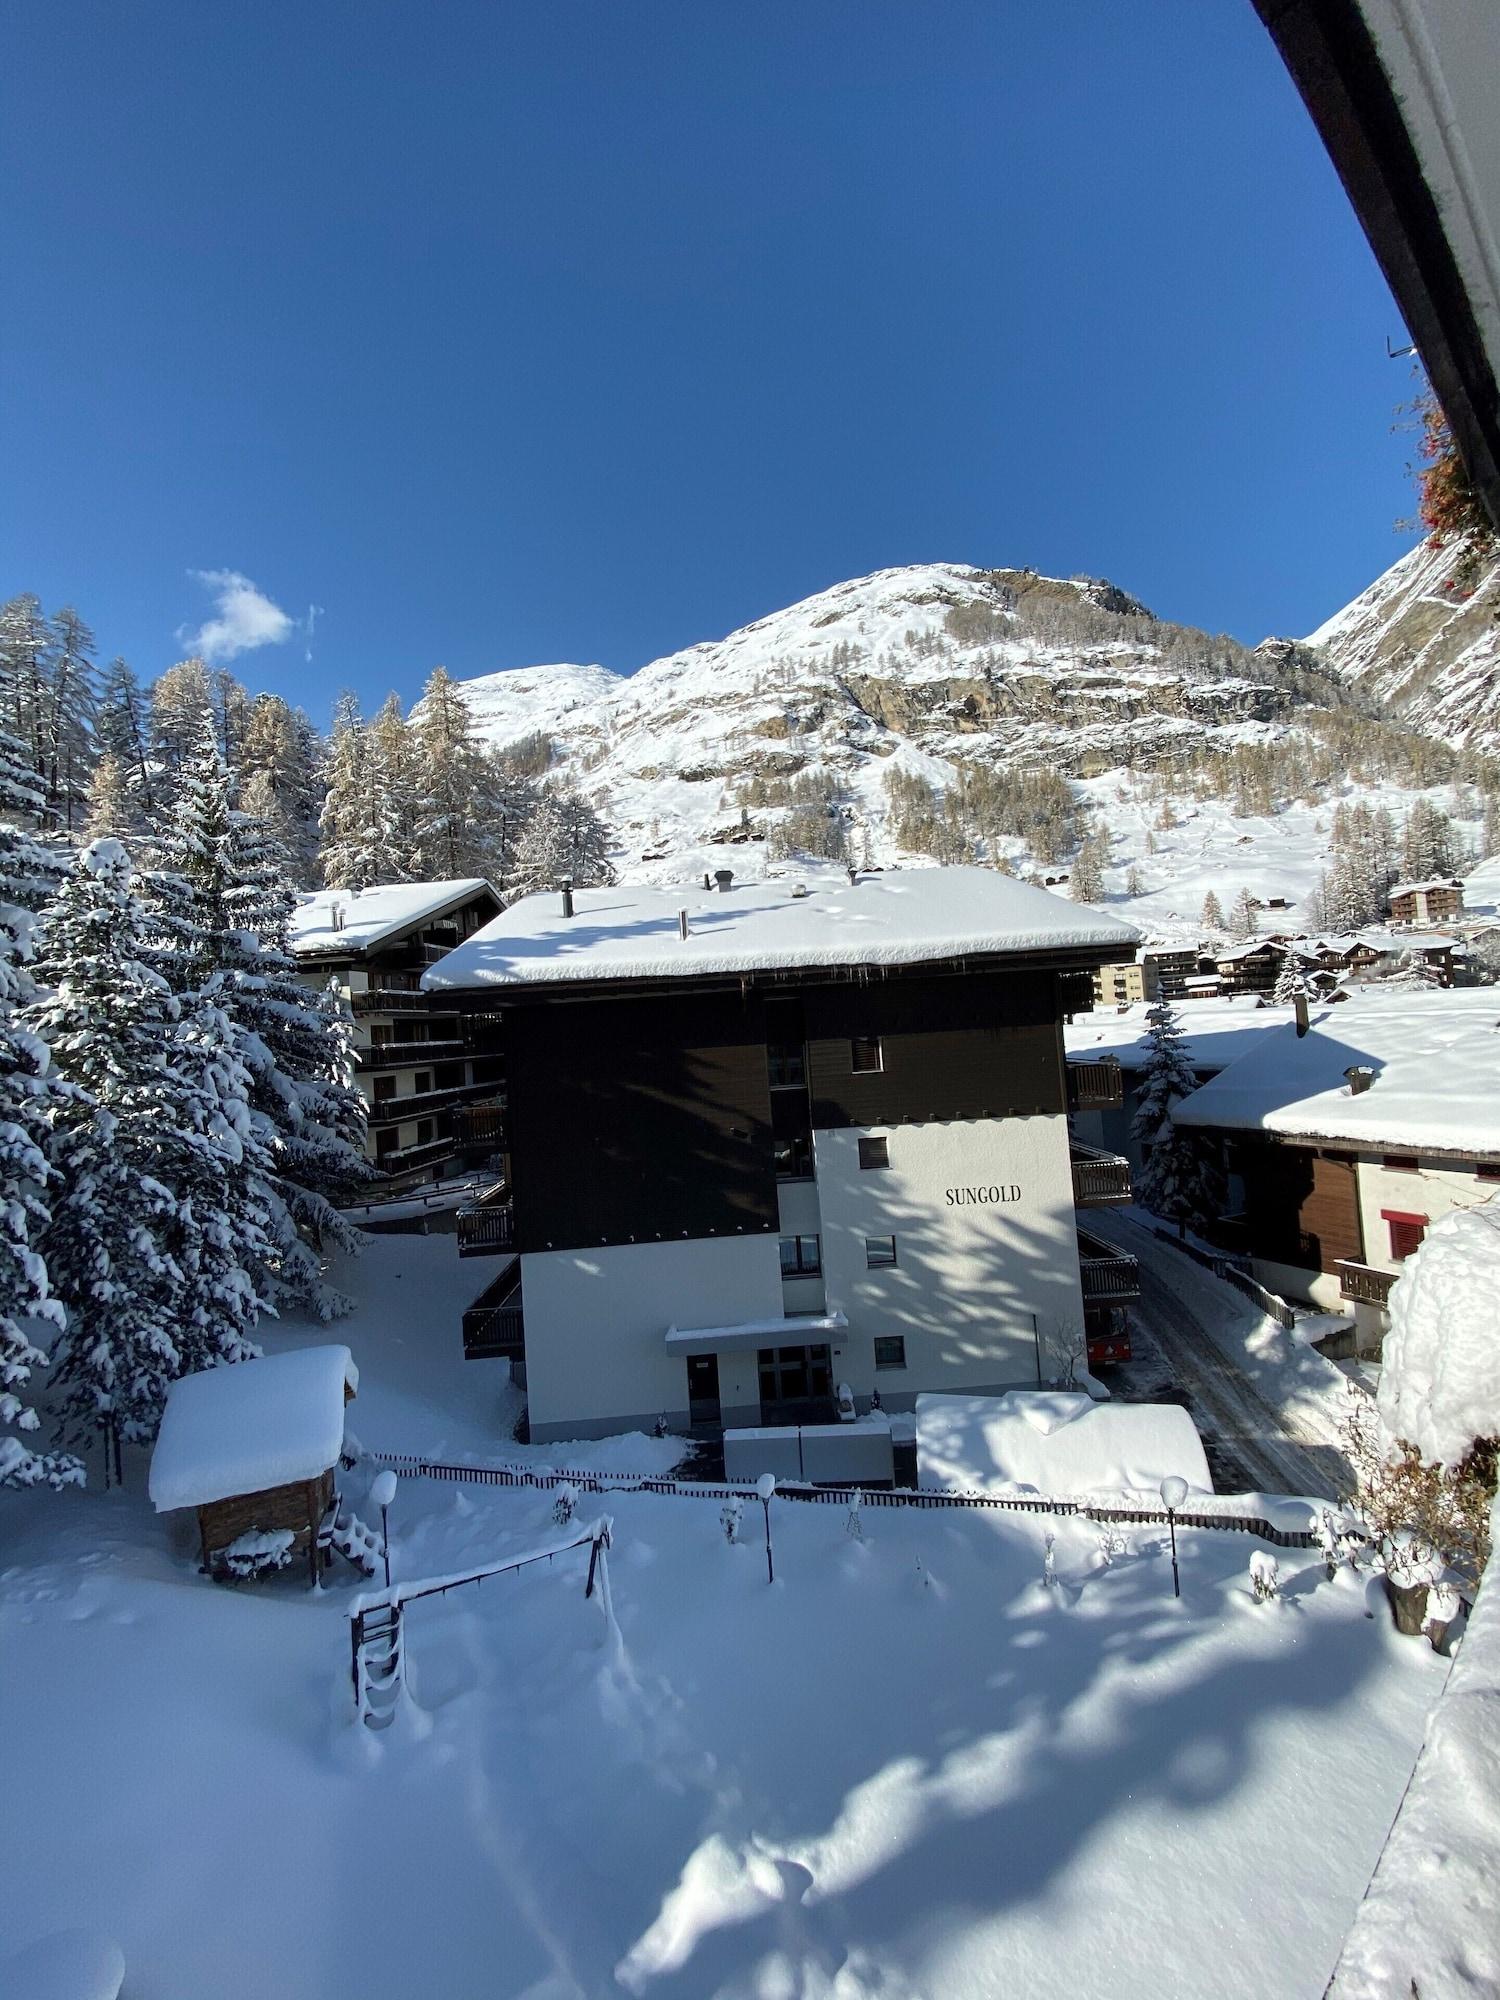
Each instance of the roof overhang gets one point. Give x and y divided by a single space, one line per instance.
755 1333
1402 94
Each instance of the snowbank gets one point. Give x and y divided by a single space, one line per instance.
1430 1920
1055 1443
904 917
256 1424
1440 1382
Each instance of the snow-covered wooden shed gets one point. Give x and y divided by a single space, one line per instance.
253 1448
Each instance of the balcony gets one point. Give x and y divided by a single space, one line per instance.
1109 1276
494 1329
1364 1285
408 1159
480 1125
1099 1179
389 1000
410 1055
486 1226
1095 1086
416 1104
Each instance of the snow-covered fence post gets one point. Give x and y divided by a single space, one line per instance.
1173 1493
765 1486
383 1492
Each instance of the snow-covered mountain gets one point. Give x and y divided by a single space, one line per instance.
1422 651
921 669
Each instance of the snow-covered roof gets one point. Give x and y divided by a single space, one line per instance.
752 1333
1214 1031
1057 1443
1436 1058
338 920
910 917
255 1424
1421 888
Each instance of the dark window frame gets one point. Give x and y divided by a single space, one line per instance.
861 1048
875 1258
889 1341
805 1264
874 1152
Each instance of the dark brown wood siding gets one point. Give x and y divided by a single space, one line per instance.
638 1120
981 1047
1302 1206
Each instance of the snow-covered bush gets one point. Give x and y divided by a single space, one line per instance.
854 1526
565 1505
731 1514
1338 1540
1049 1559
1265 1577
1407 1501
1112 1545
258 1551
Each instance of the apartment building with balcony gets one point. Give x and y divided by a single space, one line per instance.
432 1080
771 1138
1440 901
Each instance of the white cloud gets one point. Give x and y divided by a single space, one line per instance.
244 618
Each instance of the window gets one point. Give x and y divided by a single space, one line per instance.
788 1071
385 1141
1399 1163
801 1256
880 1251
1407 1232
794 1158
874 1153
385 1086
890 1350
421 1082
1487 1170
864 1054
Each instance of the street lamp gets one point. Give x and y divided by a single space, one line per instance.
765 1486
1174 1490
383 1492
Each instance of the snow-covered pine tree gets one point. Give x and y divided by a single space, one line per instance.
395 781
27 1091
111 813
278 780
1135 881
1086 876
68 725
26 648
564 837
1291 982
181 704
123 729
352 823
230 701
1212 917
1179 1179
1244 919
223 914
450 777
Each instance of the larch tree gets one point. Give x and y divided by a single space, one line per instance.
396 779
111 812
1212 915
123 730
1244 917
1179 1179
1086 876
352 823
564 837
68 726
278 780
26 655
181 704
28 1093
450 778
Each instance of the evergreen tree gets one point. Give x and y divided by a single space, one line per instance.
124 729
1429 843
27 1094
1179 1180
1291 982
68 722
1212 918
1244 919
395 780
111 811
222 910
1086 877
564 837
230 703
352 822
26 655
450 777
278 780
181 705
1135 881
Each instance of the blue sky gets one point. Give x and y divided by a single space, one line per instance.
584 329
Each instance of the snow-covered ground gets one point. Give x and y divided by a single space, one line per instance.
906 1769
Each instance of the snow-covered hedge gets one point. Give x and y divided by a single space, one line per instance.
1440 1382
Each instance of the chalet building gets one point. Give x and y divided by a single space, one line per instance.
1345 1142
433 1082
774 1138
1253 967
1437 902
1172 967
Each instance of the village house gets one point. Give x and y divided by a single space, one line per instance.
432 1083
774 1139
1346 1140
1439 901
1252 967
1127 982
1172 967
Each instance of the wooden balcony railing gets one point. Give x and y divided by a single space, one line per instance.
409 1055
1095 1086
405 1159
480 1125
493 1325
390 1000
1098 1178
1363 1284
1110 1277
486 1226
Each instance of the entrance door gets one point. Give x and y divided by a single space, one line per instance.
703 1388
796 1385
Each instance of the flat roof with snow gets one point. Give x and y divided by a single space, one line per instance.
903 917
1214 1032
1436 1086
1049 1441
335 920
251 1425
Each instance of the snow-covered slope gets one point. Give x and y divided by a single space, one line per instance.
1421 650
919 669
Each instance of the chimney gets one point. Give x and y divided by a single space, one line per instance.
682 923
722 879
1299 1008
336 917
567 895
706 883
1359 1077
853 874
